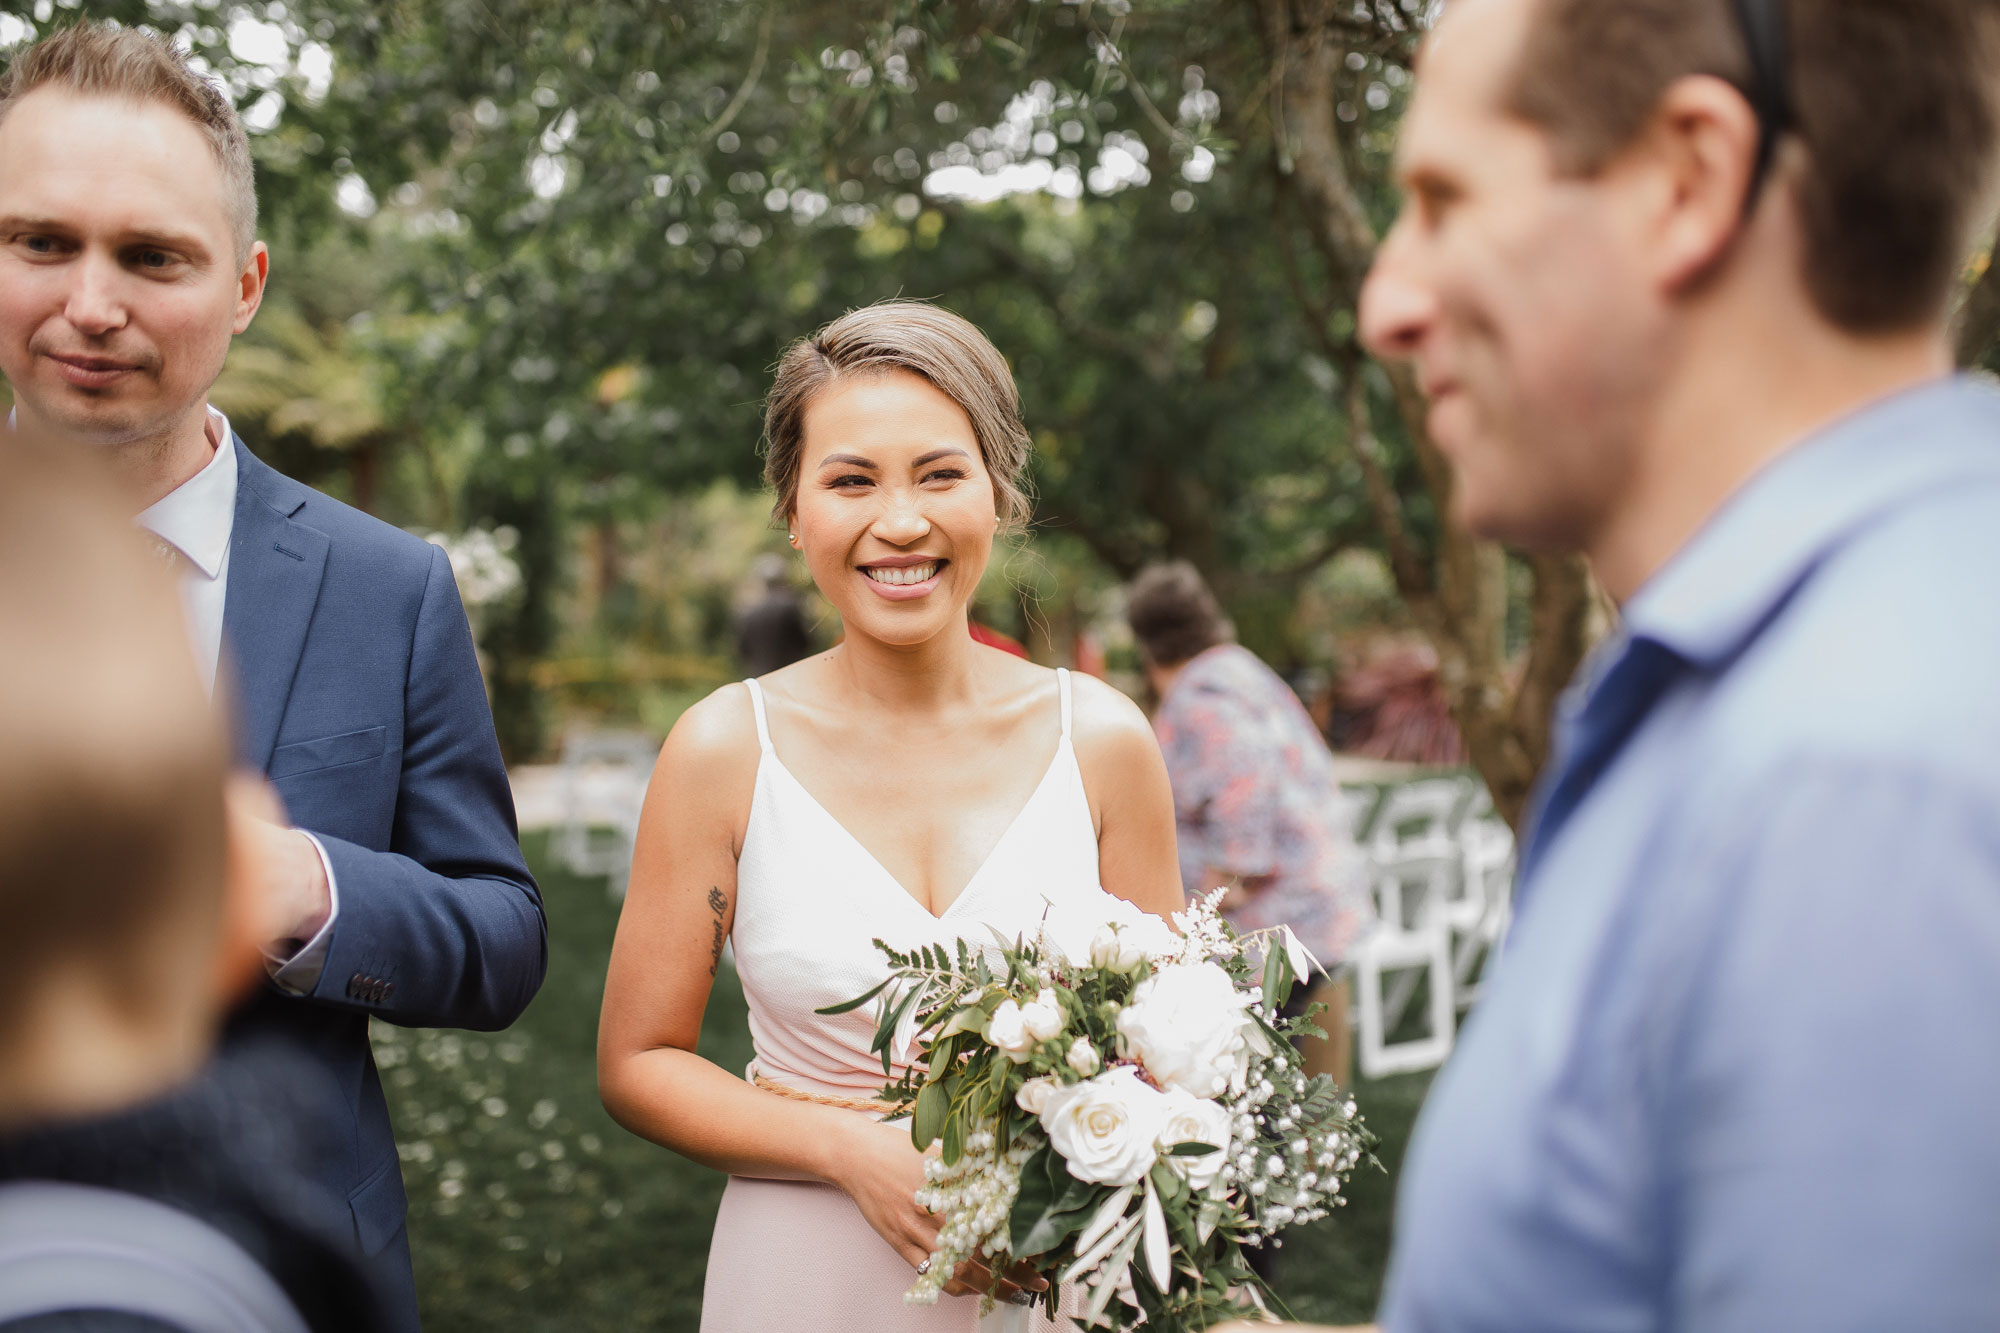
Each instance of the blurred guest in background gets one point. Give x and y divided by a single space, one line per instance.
132 923
128 263
771 632
1256 804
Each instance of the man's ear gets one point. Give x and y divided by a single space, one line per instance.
250 284
239 959
1702 141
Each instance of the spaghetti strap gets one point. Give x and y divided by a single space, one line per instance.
757 707
1062 688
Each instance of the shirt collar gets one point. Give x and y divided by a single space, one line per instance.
1715 594
196 517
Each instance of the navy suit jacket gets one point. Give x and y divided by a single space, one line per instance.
360 697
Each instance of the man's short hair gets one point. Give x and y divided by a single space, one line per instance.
111 759
1893 100
99 60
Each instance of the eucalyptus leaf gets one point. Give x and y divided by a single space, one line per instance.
928 1122
954 1138
1035 1197
1276 985
1047 1231
849 1006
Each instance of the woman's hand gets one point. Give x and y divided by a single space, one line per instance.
881 1171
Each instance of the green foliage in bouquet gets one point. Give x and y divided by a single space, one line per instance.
1115 1106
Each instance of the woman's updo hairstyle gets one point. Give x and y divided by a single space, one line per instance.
926 340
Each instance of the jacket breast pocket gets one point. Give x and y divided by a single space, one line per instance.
350 747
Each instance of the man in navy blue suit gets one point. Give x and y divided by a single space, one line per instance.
128 262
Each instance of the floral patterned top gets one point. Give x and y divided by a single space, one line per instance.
1255 796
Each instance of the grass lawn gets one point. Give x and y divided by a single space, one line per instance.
530 1210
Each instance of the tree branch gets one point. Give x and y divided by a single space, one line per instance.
1413 575
1175 135
729 113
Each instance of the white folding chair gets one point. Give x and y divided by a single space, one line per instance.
1478 919
1386 957
603 786
1420 816
1414 891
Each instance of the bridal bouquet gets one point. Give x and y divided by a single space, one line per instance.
1115 1105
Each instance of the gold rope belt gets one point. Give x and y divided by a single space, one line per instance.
870 1104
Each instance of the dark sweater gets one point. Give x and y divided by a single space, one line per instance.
224 1147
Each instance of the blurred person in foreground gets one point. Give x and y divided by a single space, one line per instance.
1256 805
128 261
131 904
1676 277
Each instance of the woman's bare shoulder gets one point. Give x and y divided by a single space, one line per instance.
1115 745
713 748
1106 717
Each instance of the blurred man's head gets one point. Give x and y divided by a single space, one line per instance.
1587 212
113 847
128 257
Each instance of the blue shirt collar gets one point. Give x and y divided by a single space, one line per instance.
1710 600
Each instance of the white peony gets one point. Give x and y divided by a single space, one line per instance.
1189 1027
1191 1119
1033 1095
1009 1032
1083 1057
1107 1128
1043 1017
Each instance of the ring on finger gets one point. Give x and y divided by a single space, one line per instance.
923 1268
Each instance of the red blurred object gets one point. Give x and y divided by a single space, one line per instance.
1090 655
1393 707
993 638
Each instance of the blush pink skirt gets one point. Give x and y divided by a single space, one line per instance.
798 1255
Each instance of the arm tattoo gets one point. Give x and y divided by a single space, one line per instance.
720 906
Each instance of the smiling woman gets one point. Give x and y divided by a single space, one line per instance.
909 785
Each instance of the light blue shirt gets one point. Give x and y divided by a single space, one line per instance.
1739 1068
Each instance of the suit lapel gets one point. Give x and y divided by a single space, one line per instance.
275 567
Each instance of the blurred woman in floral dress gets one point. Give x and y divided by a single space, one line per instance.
1256 803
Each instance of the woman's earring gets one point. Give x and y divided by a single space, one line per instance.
794 539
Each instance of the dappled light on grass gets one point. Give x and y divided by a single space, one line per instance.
478 1152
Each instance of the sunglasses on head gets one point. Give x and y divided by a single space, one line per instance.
1762 24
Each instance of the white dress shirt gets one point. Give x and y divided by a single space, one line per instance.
197 519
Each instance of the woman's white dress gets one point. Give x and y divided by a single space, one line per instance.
810 901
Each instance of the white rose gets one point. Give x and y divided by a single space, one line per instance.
1044 1017
1107 1129
1033 1095
1007 1031
1083 1057
1191 1119
1187 1025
